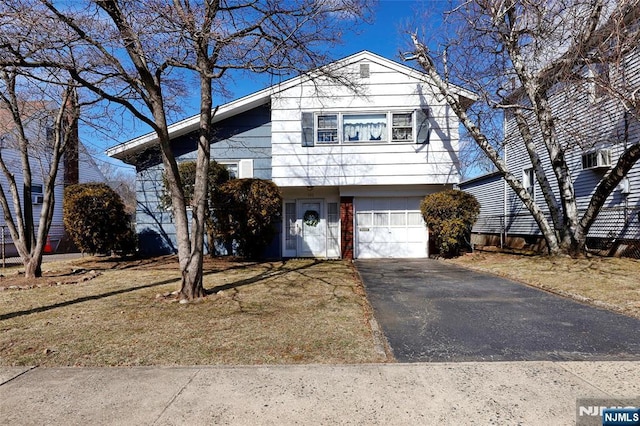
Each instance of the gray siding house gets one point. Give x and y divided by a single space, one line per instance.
80 165
595 129
241 142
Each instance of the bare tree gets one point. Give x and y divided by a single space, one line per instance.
520 56
122 180
138 55
39 120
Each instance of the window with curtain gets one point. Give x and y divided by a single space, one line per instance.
364 127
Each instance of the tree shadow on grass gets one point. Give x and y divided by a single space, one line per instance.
269 273
84 299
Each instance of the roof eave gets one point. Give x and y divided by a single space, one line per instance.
125 150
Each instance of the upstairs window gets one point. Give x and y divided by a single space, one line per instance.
598 159
327 126
37 196
369 127
364 128
232 168
364 71
402 127
599 81
240 169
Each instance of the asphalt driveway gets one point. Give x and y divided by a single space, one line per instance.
434 311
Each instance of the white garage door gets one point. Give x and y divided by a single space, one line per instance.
390 227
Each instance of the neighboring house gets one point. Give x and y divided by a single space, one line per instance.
596 129
352 163
76 166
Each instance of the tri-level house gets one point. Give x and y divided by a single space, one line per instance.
353 162
594 128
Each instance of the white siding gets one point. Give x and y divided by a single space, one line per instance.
363 163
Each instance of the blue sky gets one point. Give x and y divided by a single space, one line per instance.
386 36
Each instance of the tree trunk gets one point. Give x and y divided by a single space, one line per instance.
192 286
480 138
32 267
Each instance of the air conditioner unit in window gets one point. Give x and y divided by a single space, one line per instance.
598 159
36 199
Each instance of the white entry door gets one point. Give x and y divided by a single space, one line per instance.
312 241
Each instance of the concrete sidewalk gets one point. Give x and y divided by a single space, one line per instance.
528 393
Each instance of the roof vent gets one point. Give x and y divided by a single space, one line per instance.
364 70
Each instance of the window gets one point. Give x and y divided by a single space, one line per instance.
599 80
37 196
290 225
364 70
370 127
364 127
239 169
50 134
232 168
402 127
327 126
528 180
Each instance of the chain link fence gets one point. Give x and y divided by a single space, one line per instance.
8 253
7 249
616 232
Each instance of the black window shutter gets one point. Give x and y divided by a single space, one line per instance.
307 129
423 129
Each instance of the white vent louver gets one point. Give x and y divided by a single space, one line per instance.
598 159
364 71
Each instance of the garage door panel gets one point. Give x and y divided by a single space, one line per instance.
417 235
364 219
390 227
397 235
399 250
414 219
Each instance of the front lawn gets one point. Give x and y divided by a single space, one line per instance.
103 312
609 282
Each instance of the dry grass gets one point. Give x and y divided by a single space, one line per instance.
301 311
612 283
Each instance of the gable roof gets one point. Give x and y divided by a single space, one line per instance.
29 110
188 125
